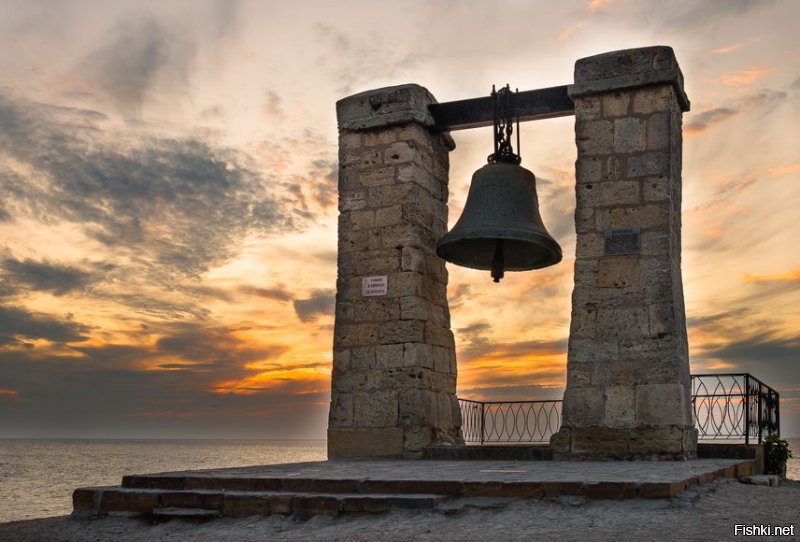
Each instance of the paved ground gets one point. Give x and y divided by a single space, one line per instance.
708 512
480 471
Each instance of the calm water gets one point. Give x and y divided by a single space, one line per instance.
37 476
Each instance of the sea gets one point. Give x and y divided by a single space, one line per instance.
37 477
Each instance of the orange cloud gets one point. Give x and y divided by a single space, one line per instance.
10 393
298 380
567 32
786 276
728 49
784 170
594 5
742 78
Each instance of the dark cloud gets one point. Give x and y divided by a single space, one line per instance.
175 207
278 294
687 16
45 276
765 101
320 303
214 344
105 395
135 52
713 319
17 324
324 177
702 121
770 358
361 58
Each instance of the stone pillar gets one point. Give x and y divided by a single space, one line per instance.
394 366
628 389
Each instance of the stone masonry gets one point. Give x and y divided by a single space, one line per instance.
628 383
394 365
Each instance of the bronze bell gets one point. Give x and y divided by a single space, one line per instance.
500 228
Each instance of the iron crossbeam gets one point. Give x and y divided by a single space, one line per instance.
543 103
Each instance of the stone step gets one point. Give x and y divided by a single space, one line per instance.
202 502
490 452
186 513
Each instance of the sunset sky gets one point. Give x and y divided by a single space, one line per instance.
168 211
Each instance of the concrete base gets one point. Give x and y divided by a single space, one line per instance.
353 486
602 443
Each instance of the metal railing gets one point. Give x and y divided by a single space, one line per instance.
509 421
724 406
734 406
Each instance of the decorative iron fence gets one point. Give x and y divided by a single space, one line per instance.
734 407
509 421
724 406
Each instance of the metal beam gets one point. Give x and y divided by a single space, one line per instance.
544 103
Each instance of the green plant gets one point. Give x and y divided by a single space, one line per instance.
776 452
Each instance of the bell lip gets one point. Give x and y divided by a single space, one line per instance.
547 242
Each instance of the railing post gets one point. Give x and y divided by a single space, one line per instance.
777 413
483 421
760 412
747 408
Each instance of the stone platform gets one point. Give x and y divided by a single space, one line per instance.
369 486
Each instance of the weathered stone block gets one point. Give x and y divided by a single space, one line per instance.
347 335
619 406
349 381
583 323
341 360
363 358
616 104
656 189
583 406
629 135
618 272
599 441
587 108
643 216
607 193
418 355
374 442
375 409
653 99
389 216
412 259
402 331
592 350
341 413
658 132
662 319
594 137
439 336
377 177
648 164
392 194
622 323
378 262
352 201
661 404
389 355
417 407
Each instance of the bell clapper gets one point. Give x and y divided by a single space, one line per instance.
497 261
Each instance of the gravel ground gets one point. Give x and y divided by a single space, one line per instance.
705 513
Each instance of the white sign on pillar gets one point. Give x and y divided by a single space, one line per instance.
371 286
